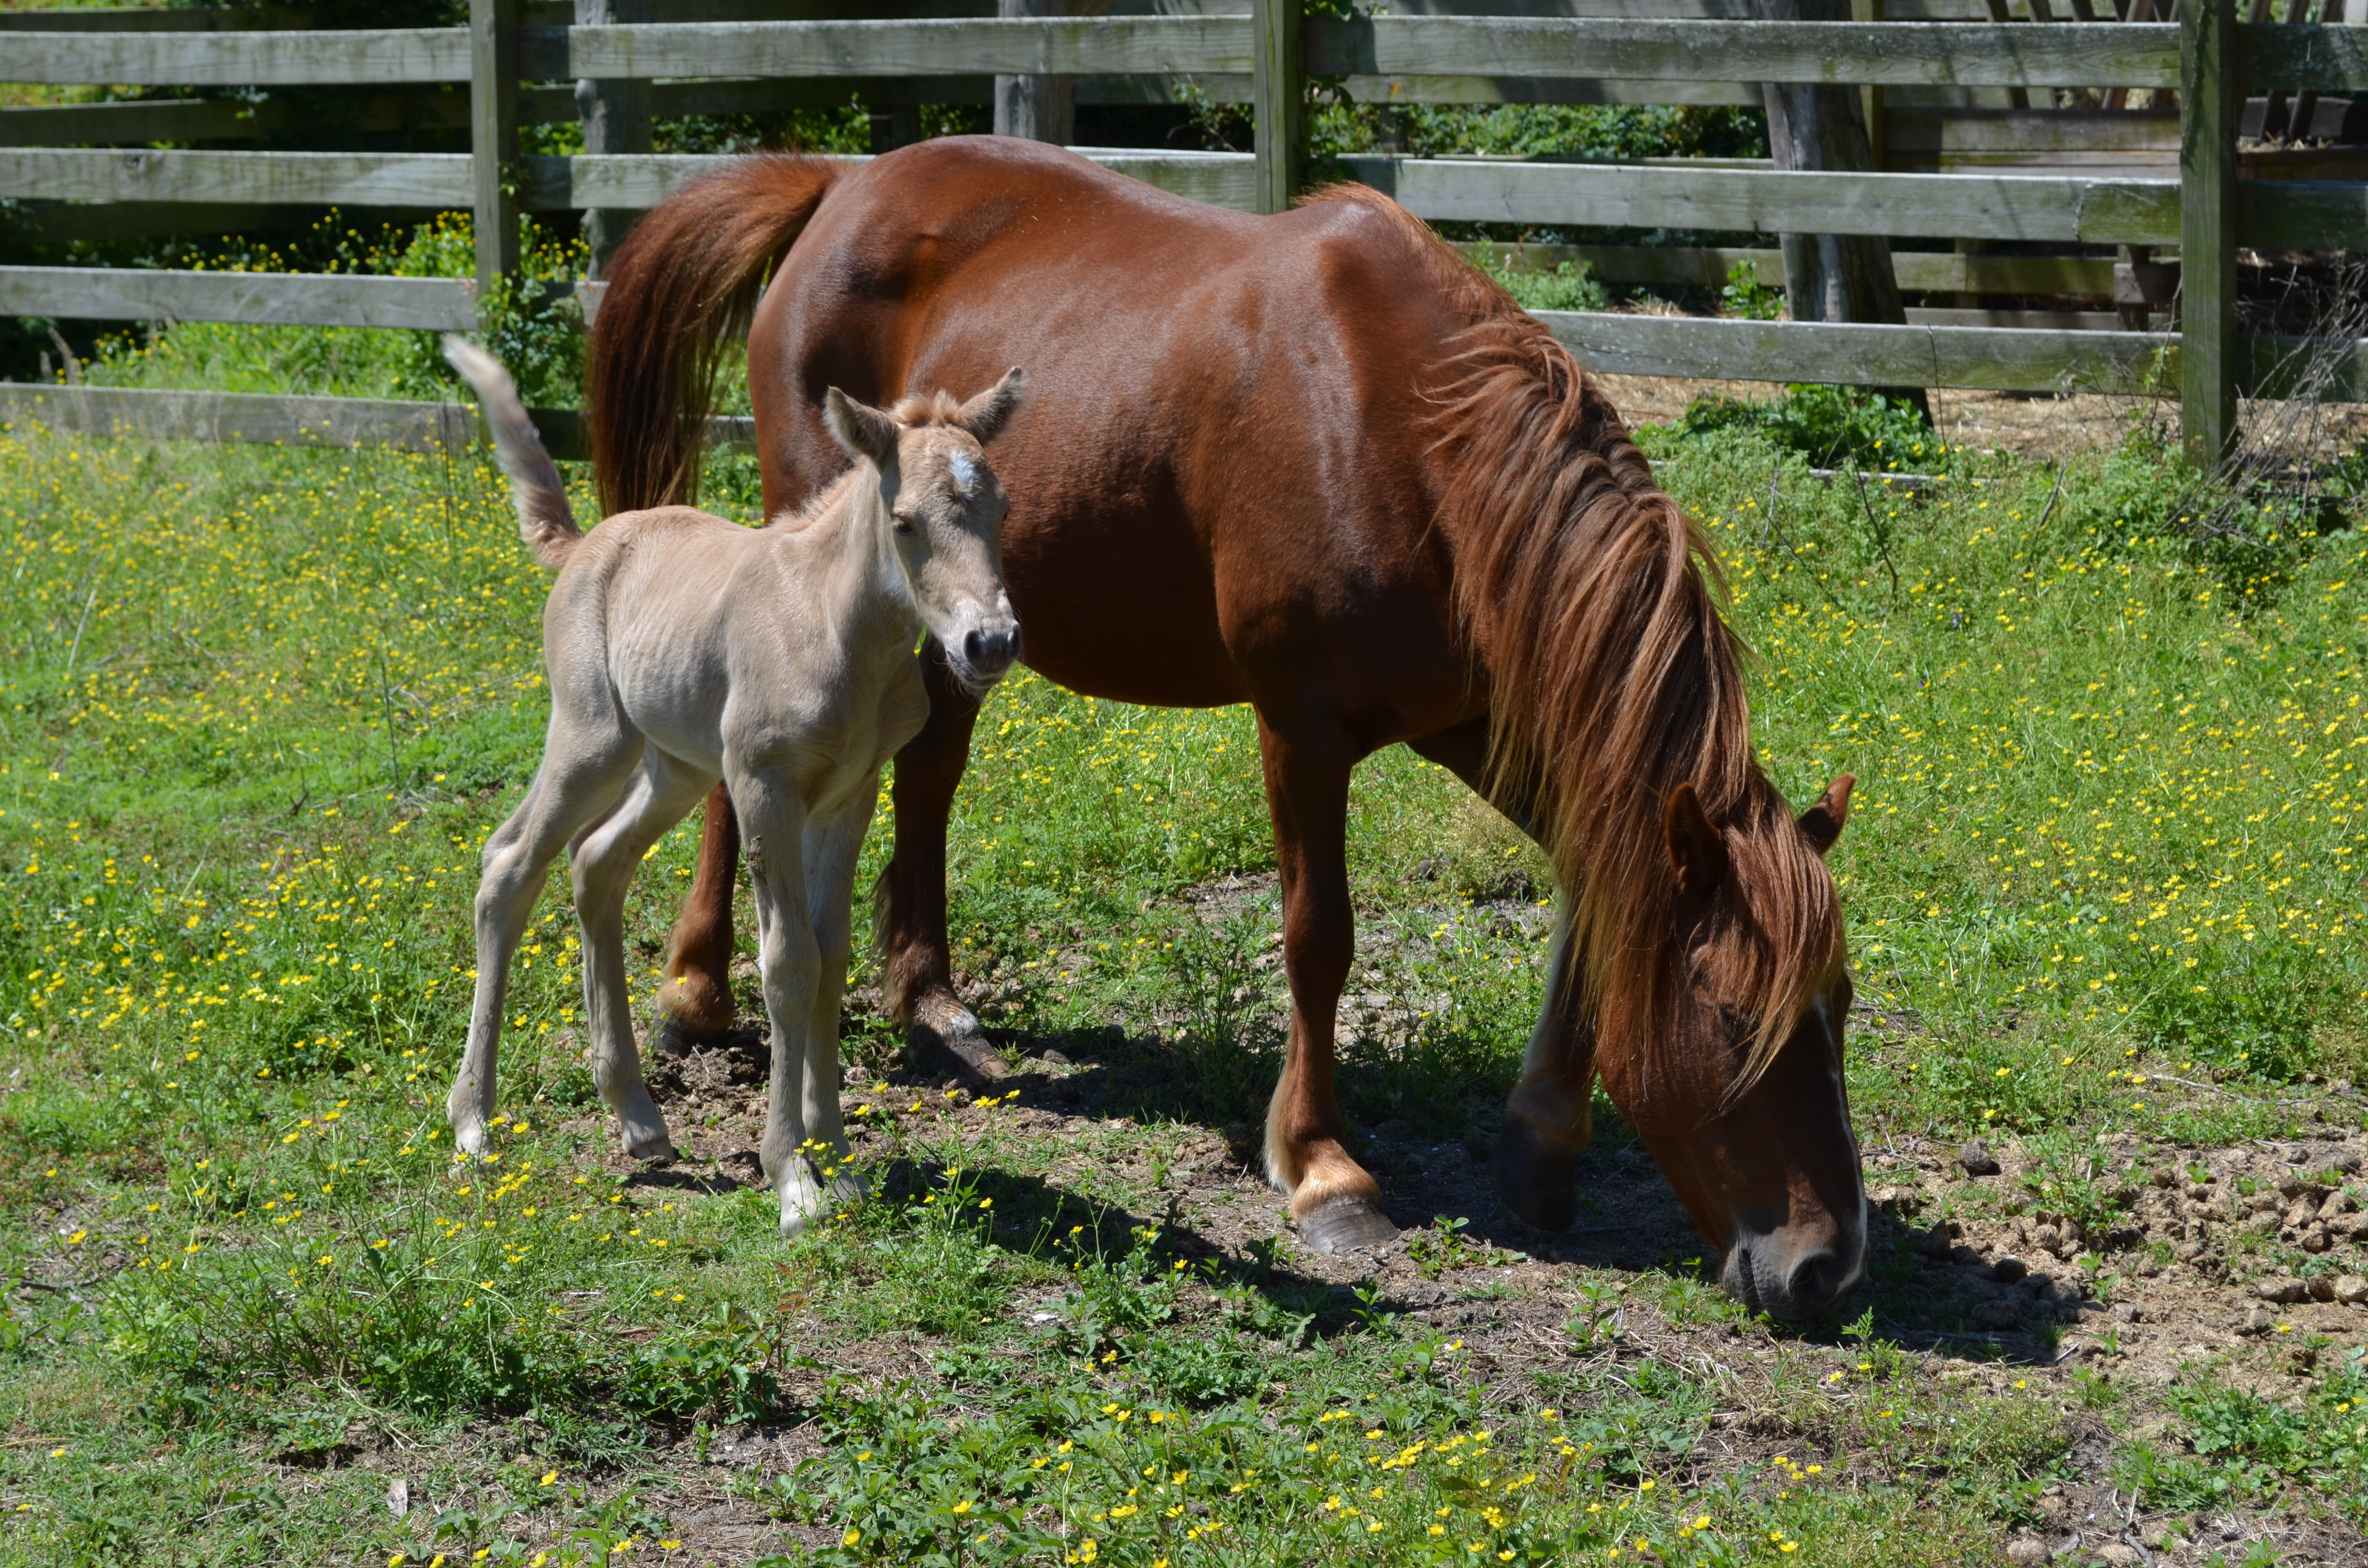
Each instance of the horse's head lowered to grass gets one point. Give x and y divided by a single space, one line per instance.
1737 1085
1699 968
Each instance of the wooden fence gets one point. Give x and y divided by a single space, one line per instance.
477 75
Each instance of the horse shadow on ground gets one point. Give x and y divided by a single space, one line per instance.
1433 1165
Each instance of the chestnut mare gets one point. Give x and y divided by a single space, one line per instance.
1315 463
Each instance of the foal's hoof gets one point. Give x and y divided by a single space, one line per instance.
1536 1178
1347 1223
945 1039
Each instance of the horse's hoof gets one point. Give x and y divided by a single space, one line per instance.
675 1039
1347 1223
645 1142
1536 1179
945 1039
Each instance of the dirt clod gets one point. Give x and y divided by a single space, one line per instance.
1976 1158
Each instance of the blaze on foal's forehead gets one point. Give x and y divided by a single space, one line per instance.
935 453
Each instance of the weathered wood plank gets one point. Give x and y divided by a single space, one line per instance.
493 139
1444 89
66 125
322 58
2208 224
1845 353
159 19
1030 46
349 179
1277 102
239 417
2000 207
2310 56
2301 214
2044 54
284 299
2020 131
1223 179
1917 271
2327 370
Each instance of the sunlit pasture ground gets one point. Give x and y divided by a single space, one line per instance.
259 709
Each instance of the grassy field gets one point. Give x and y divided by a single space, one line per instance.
258 709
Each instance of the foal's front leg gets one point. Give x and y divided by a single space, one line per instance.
832 846
773 820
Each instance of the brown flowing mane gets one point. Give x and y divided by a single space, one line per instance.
1593 604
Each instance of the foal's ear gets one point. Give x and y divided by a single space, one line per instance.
1696 851
1822 824
985 414
862 429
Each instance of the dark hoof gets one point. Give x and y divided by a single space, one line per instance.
675 1041
947 1042
1537 1179
1347 1224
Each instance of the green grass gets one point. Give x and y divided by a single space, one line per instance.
259 707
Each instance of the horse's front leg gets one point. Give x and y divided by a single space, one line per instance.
1547 1123
916 968
774 818
1337 1204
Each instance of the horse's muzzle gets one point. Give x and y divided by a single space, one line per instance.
1787 1279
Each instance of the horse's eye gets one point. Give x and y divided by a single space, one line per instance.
1738 1027
903 524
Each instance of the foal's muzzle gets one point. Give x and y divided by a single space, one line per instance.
989 650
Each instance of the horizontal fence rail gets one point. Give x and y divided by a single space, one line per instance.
271 298
488 79
2043 54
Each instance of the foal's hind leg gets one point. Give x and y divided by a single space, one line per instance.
604 860
581 775
1338 1205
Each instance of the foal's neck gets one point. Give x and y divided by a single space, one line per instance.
851 563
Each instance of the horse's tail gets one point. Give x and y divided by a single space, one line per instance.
683 283
545 521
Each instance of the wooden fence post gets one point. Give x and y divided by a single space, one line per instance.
1279 99
616 115
2208 345
493 136
1036 108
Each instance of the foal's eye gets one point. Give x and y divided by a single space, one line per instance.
903 524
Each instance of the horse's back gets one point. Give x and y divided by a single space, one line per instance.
1223 425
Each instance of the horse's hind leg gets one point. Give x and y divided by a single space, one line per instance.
580 777
1336 1203
695 1004
604 860
916 968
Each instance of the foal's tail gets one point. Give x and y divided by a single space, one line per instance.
545 521
683 284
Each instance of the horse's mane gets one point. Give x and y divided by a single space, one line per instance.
1592 603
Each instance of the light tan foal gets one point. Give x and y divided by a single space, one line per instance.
684 649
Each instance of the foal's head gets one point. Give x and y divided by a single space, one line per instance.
1740 1094
943 511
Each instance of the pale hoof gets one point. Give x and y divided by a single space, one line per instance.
469 1135
806 1202
1536 1178
1346 1224
647 1140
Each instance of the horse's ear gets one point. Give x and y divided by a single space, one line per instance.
862 429
1822 824
1697 853
985 414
